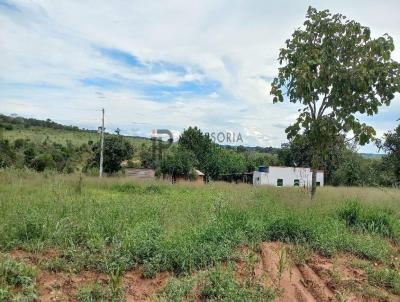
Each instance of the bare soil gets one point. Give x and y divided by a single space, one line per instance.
318 279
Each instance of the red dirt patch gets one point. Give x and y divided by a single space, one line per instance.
319 279
297 283
138 288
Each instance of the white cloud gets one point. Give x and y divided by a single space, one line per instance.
51 45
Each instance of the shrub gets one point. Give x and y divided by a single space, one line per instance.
370 220
17 281
290 229
94 292
388 278
219 284
43 161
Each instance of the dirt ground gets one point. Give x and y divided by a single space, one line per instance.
317 279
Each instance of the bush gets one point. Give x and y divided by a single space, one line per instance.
7 155
290 229
116 150
43 161
370 220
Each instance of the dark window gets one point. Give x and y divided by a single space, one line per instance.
279 182
296 182
318 183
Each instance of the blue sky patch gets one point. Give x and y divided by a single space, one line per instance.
155 91
131 60
121 57
6 5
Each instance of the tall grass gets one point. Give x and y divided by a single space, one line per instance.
115 224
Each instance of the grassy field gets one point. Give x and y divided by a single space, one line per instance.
110 227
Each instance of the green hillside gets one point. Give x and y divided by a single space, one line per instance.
38 131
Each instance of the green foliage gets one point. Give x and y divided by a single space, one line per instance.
17 281
69 146
113 225
224 162
384 277
41 156
391 145
177 290
370 220
96 292
9 121
354 170
148 158
219 284
193 140
7 155
178 161
116 150
42 162
336 70
255 159
290 228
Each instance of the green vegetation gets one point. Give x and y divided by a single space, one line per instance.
370 219
382 277
219 284
70 150
391 145
45 145
336 71
17 280
97 292
112 226
116 150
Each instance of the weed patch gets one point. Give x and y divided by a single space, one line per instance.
17 281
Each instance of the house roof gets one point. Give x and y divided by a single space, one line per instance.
293 167
199 173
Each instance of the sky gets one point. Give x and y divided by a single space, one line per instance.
165 64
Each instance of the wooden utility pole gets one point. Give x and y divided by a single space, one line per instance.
102 143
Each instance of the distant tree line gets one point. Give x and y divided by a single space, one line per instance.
8 123
342 165
195 150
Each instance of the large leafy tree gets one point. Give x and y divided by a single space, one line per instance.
116 150
335 70
178 162
200 144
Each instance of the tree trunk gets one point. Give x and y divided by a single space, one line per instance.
313 183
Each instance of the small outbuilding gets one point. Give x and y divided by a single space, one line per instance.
195 176
286 176
140 173
199 177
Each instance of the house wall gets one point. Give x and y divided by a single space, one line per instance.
140 173
288 174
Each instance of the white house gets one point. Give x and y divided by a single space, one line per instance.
286 177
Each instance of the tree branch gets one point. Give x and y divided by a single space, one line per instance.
312 111
323 105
